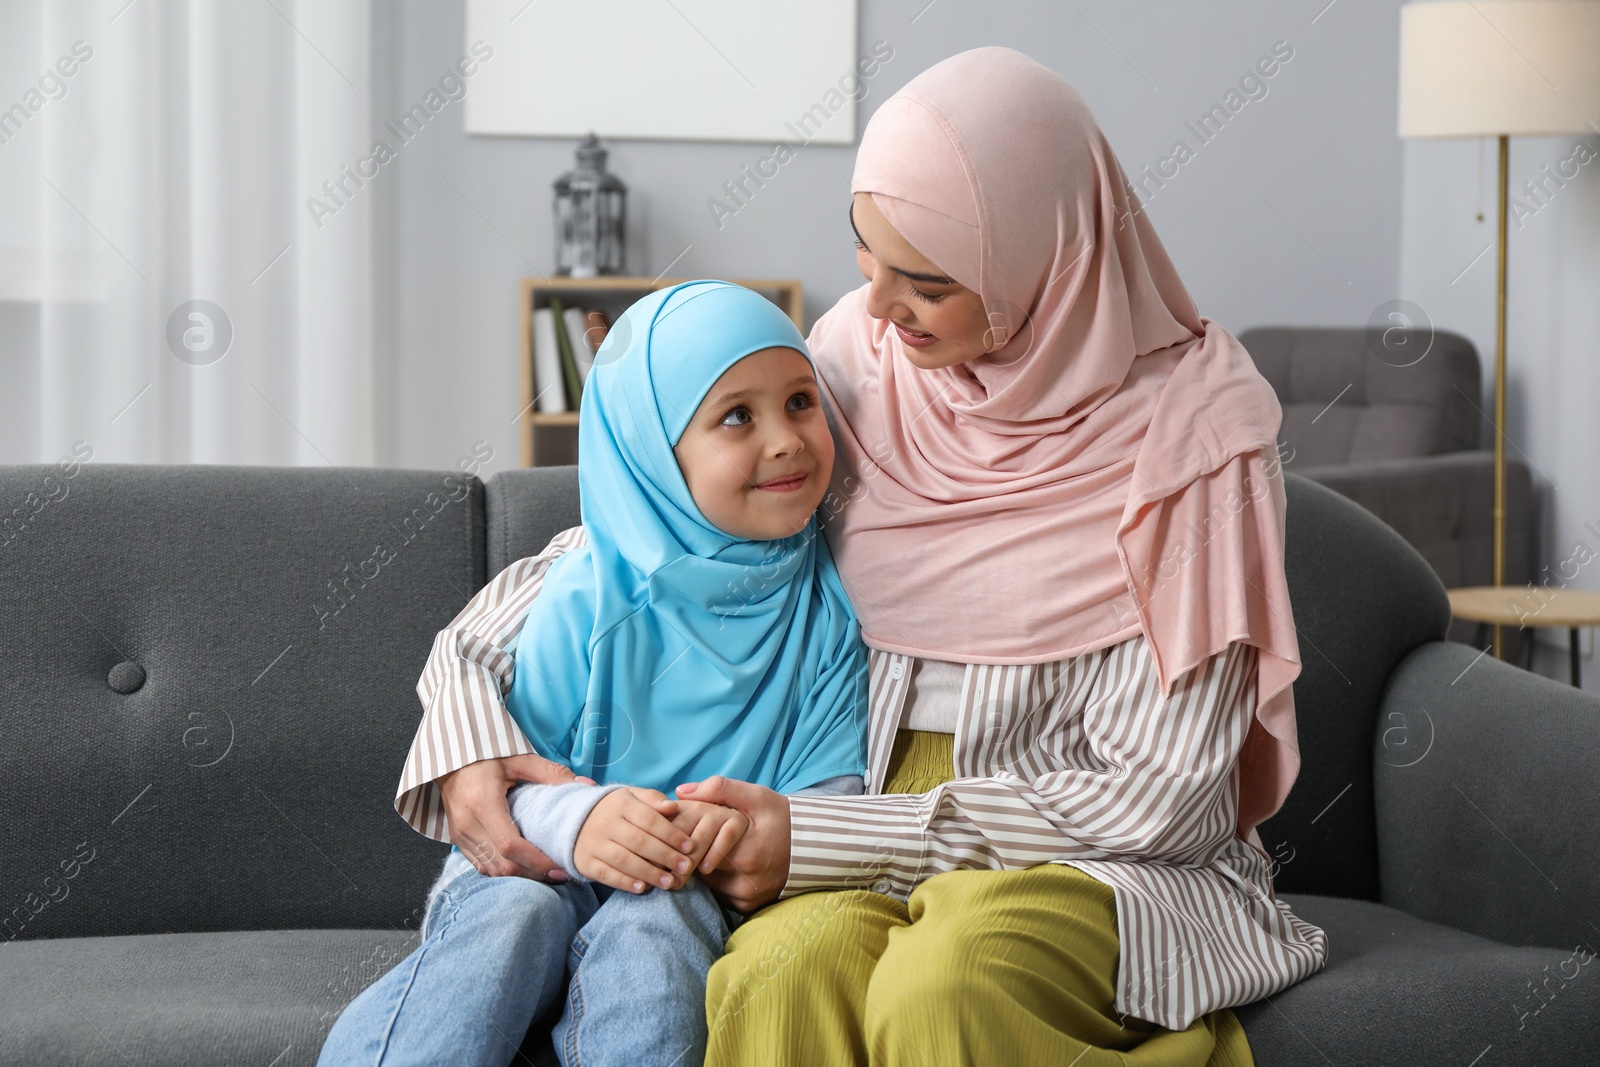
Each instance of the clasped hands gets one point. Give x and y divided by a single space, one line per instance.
636 838
735 835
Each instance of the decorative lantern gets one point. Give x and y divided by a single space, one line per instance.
591 216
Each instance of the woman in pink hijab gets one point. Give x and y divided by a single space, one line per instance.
1058 513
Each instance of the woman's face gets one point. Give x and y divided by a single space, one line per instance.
757 455
940 322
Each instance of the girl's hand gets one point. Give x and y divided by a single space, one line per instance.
755 871
714 830
628 844
480 820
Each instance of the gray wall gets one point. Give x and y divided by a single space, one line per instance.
1290 215
1307 209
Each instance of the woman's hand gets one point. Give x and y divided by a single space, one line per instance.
480 815
755 871
626 843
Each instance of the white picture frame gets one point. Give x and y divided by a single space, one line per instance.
773 71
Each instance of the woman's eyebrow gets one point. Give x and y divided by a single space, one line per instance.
851 214
931 279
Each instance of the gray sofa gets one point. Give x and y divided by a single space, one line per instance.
207 697
1391 419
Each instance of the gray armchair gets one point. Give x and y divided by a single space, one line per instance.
1396 429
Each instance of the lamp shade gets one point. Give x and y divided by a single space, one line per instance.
1481 68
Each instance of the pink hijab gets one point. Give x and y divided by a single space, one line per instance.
1109 468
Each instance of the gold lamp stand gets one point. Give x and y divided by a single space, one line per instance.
1499 68
1500 381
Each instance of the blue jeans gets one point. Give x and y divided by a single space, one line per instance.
496 953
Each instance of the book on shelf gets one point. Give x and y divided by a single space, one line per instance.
549 391
569 363
578 338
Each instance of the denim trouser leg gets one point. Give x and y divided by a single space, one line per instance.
637 991
492 959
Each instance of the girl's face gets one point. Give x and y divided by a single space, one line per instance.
757 455
940 322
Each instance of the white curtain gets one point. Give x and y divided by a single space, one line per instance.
155 153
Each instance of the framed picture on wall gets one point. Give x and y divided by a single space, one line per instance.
700 70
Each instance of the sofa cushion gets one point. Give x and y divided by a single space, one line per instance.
1396 990
265 997
1400 990
208 693
525 508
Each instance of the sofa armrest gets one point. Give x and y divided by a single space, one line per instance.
1444 507
1486 794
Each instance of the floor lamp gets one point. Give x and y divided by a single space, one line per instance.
1500 68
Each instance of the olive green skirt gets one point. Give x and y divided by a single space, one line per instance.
978 967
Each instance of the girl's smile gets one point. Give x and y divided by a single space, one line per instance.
786 484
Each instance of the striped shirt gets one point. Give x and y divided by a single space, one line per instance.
1079 761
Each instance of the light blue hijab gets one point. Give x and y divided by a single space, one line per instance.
667 650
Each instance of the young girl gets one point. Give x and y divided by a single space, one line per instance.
693 625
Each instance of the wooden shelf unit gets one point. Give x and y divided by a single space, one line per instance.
553 439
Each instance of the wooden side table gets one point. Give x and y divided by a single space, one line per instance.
1523 606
